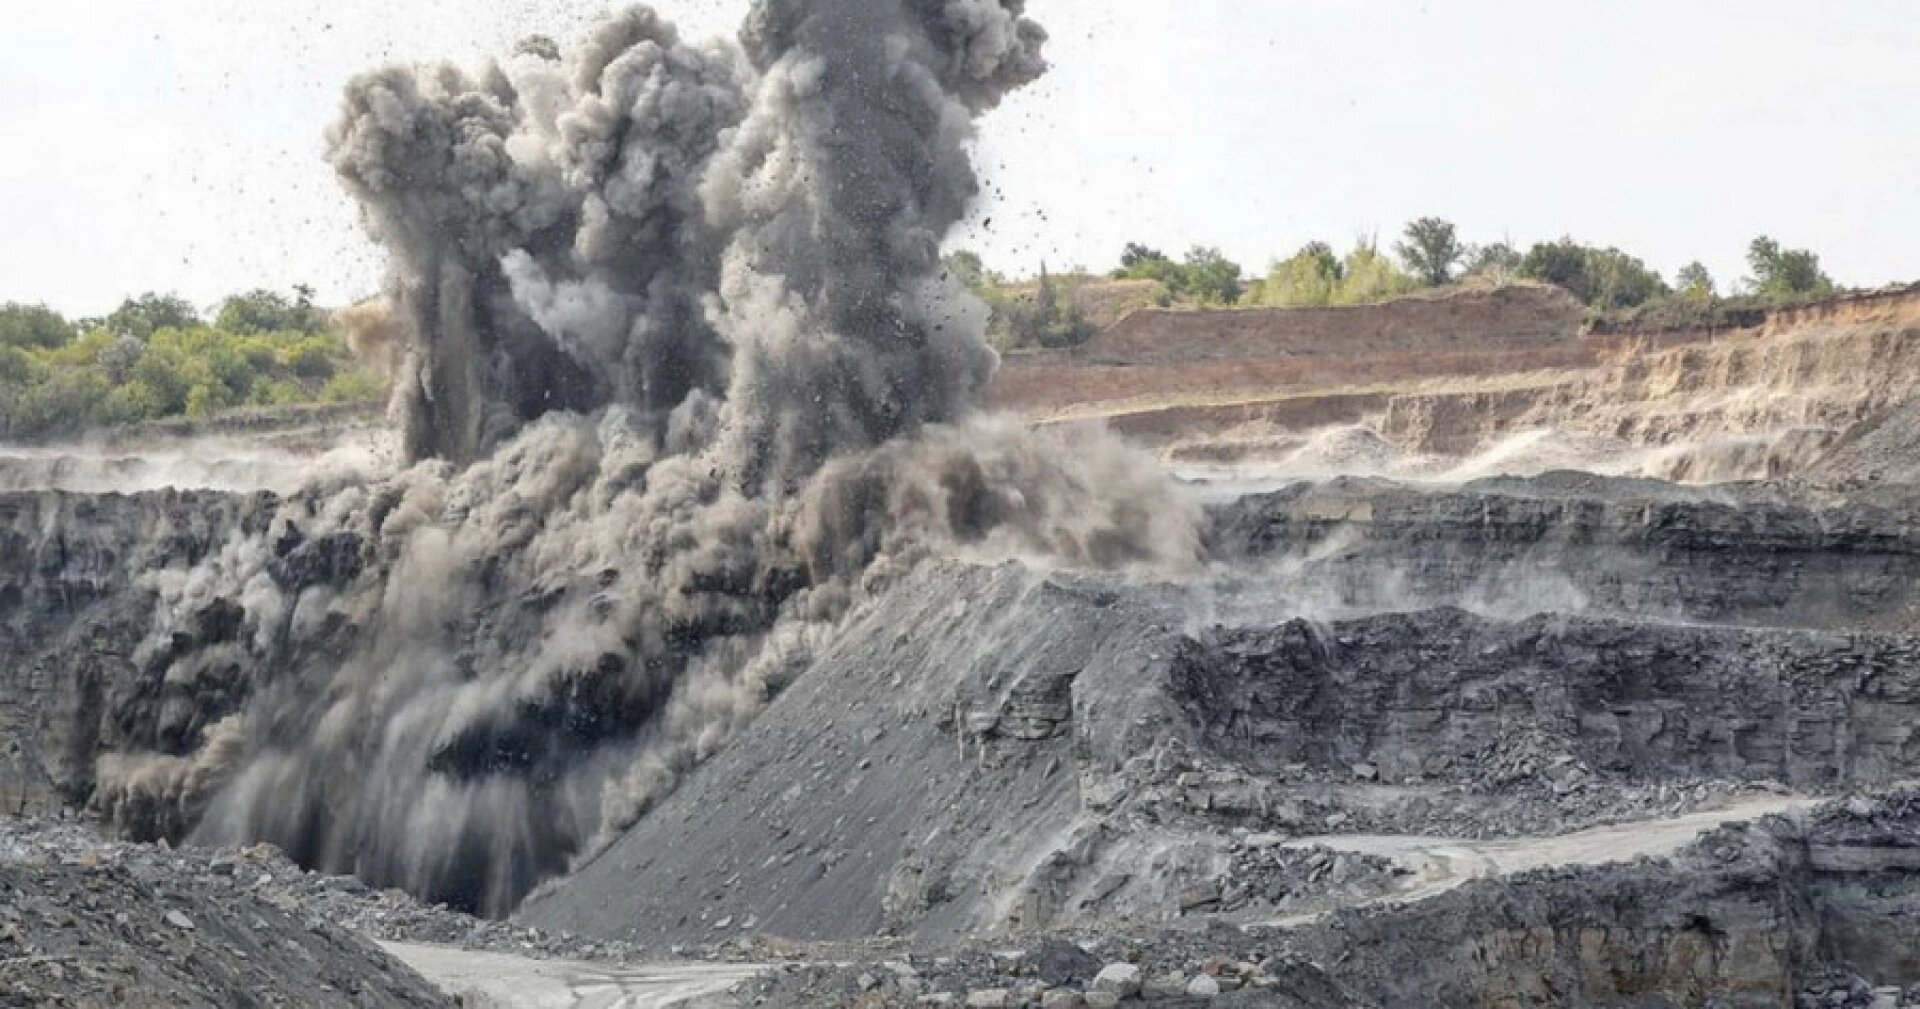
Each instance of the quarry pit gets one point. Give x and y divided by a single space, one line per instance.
1552 737
713 619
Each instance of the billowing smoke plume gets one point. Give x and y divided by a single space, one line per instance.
656 225
683 379
549 240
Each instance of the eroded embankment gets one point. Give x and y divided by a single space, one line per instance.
1154 358
1819 368
1498 380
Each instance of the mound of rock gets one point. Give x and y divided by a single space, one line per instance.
83 928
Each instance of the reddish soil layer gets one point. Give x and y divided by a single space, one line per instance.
1493 359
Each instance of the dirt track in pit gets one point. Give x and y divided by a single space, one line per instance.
1435 866
1438 864
503 981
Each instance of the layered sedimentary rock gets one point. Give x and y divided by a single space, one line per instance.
1571 542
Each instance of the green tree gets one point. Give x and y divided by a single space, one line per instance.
118 359
264 311
1430 250
1210 277
16 368
1602 278
1498 259
1049 320
1142 263
68 399
312 357
1622 281
1135 254
1367 277
1564 263
160 374
99 377
1309 278
1785 273
132 402
33 326
149 313
1695 283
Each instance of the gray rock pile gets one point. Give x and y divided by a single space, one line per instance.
261 875
84 925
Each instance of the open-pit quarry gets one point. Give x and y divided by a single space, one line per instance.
714 621
1518 737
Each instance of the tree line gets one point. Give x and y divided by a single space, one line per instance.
156 357
1429 253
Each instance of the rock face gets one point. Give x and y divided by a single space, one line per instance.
1750 916
77 574
1576 543
1433 694
992 750
1745 917
1253 353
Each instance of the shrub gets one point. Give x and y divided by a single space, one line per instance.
110 375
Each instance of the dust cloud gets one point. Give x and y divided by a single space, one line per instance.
679 380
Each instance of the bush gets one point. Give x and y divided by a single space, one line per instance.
1206 277
353 386
1314 277
263 311
33 326
130 369
1310 278
1785 273
1049 319
1498 261
146 315
1605 279
1369 277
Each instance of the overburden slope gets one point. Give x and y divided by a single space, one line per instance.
1000 751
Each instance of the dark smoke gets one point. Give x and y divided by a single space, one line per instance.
683 379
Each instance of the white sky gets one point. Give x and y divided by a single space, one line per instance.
175 145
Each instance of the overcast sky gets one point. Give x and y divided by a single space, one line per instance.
175 145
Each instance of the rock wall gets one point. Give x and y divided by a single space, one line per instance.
77 579
1440 693
1576 543
1747 917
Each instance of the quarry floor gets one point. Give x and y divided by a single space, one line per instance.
505 981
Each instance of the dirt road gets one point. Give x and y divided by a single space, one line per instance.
502 981
1438 864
